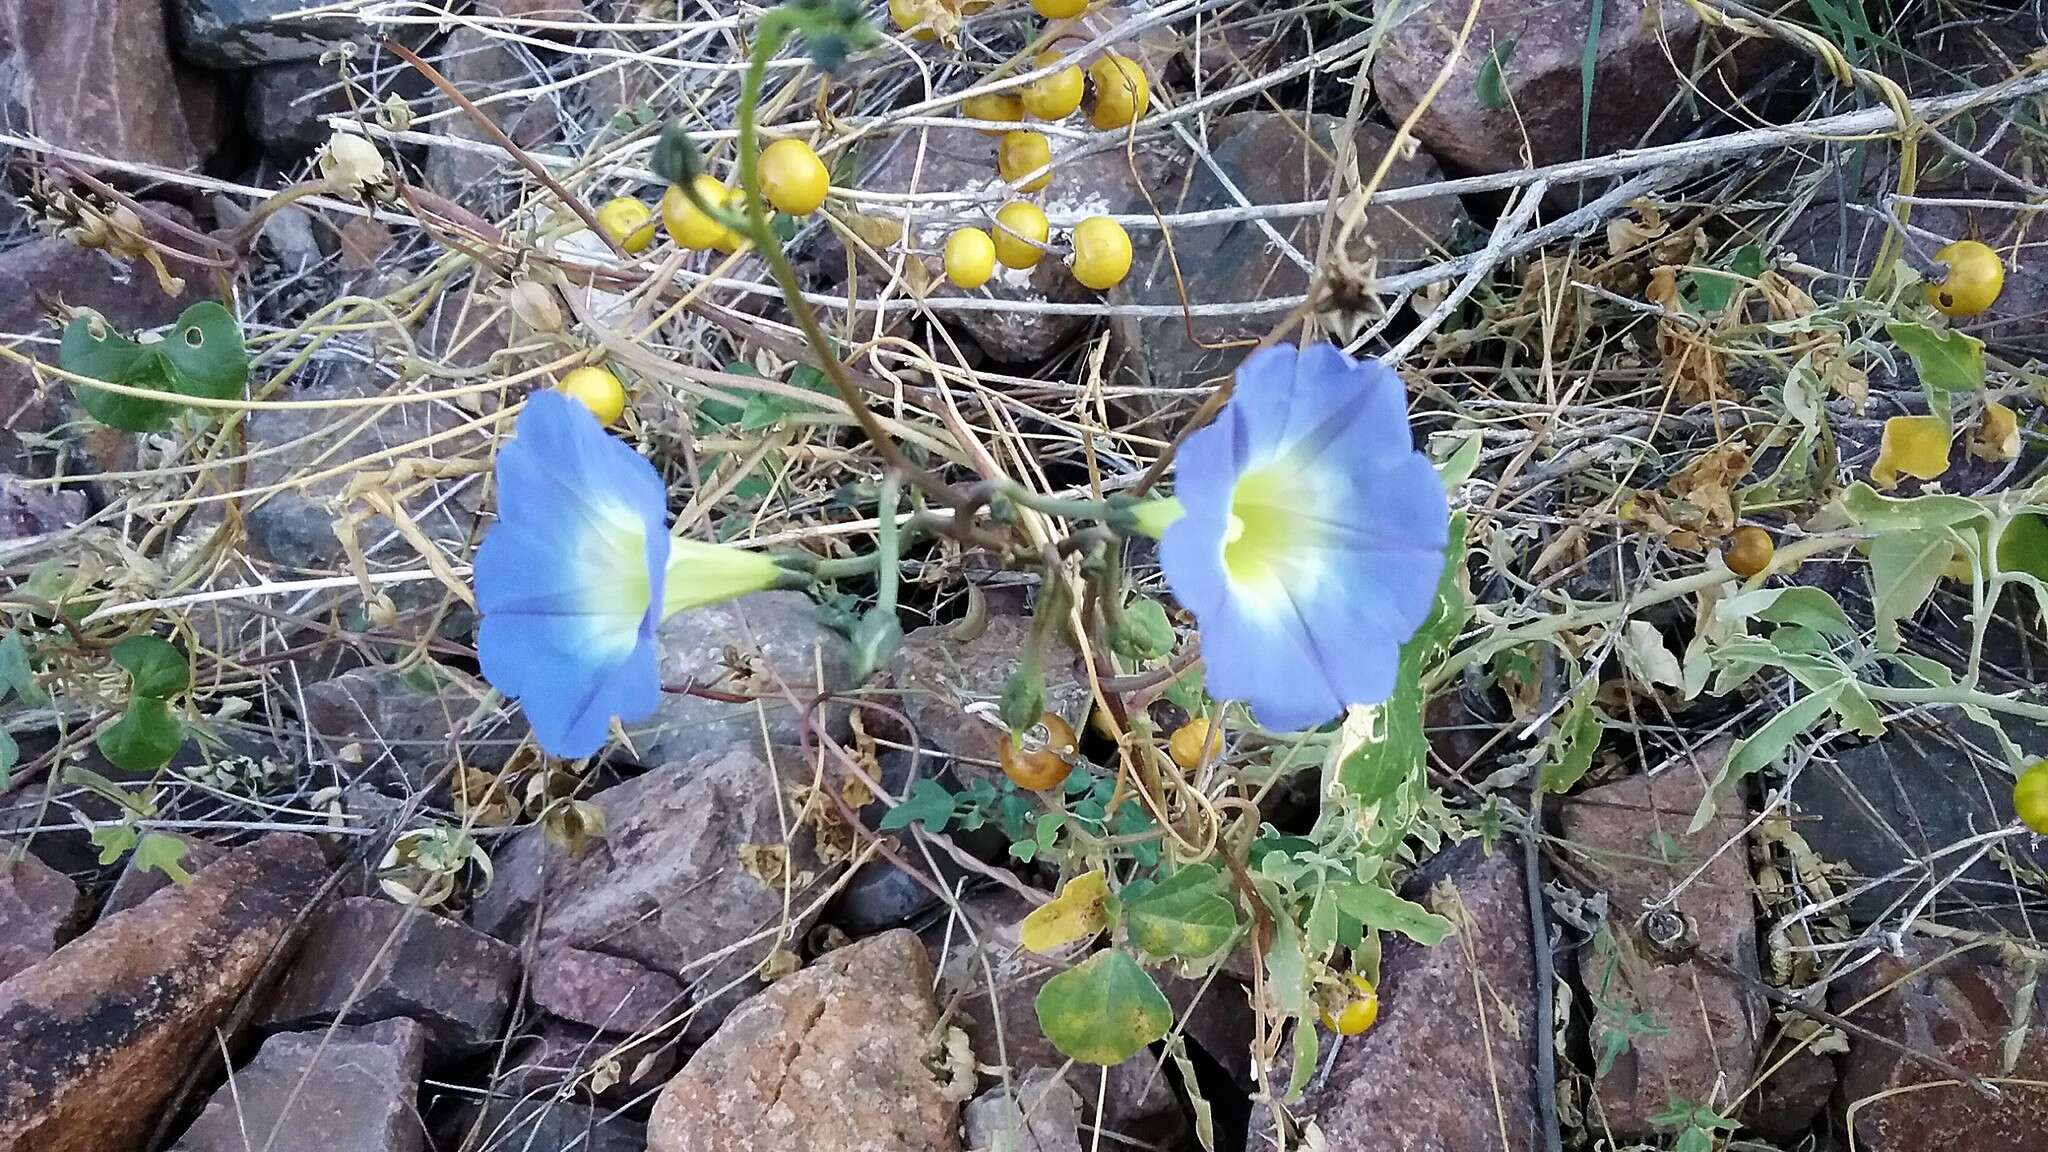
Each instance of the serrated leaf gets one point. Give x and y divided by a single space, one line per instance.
1078 912
113 841
203 354
156 852
155 667
1904 568
145 737
1104 1010
1376 907
1185 917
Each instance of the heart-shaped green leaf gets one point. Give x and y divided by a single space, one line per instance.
92 348
155 667
1103 1010
144 738
1185 916
204 353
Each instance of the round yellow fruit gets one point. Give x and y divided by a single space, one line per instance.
1056 96
793 178
1059 9
1022 228
1042 758
1358 1012
598 390
970 258
688 225
1022 153
1002 107
1102 253
628 222
2030 797
1975 278
1121 91
1749 551
1194 743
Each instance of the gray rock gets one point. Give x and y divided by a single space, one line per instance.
1958 1005
1630 838
94 1039
1039 1113
345 1090
556 1060
666 887
608 993
404 729
1269 159
552 1126
451 978
248 33
97 76
40 909
938 676
482 66
1423 1079
28 510
285 106
759 644
880 896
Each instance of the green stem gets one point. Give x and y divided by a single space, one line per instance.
888 548
1957 694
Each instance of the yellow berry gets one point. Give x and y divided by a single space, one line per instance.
1102 253
908 16
1121 91
598 390
2030 797
970 258
1042 758
628 222
793 178
688 225
1975 278
1003 107
1749 551
1022 228
1059 9
1022 153
1056 96
1358 1012
1195 742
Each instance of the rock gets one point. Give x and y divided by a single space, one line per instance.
405 729
1633 77
1792 1097
1960 1009
97 76
1888 803
138 884
286 106
758 644
837 1058
456 981
554 1059
345 1090
938 677
608 993
1420 1080
248 33
1267 156
1630 838
550 1126
40 909
483 66
666 886
1040 1113
33 279
879 897
95 1038
30 510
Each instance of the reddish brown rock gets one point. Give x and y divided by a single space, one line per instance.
608 993
40 908
837 1058
95 1038
344 1090
1446 1069
97 76
406 962
138 884
1958 1007
1630 838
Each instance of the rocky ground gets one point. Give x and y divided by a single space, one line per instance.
404 929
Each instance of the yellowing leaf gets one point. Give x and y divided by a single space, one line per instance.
1915 446
1997 435
1075 914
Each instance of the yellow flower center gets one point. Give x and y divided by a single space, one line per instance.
615 557
1266 529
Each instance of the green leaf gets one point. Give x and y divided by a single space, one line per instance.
155 667
2023 546
1378 767
1866 506
1810 607
160 853
1376 907
1492 87
16 675
1713 292
1286 964
1103 1010
1185 917
1578 737
928 804
92 348
1904 568
1764 746
113 841
203 354
1143 631
1303 1067
145 737
1950 362
10 755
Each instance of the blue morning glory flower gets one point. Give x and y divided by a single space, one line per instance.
1311 537
579 572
